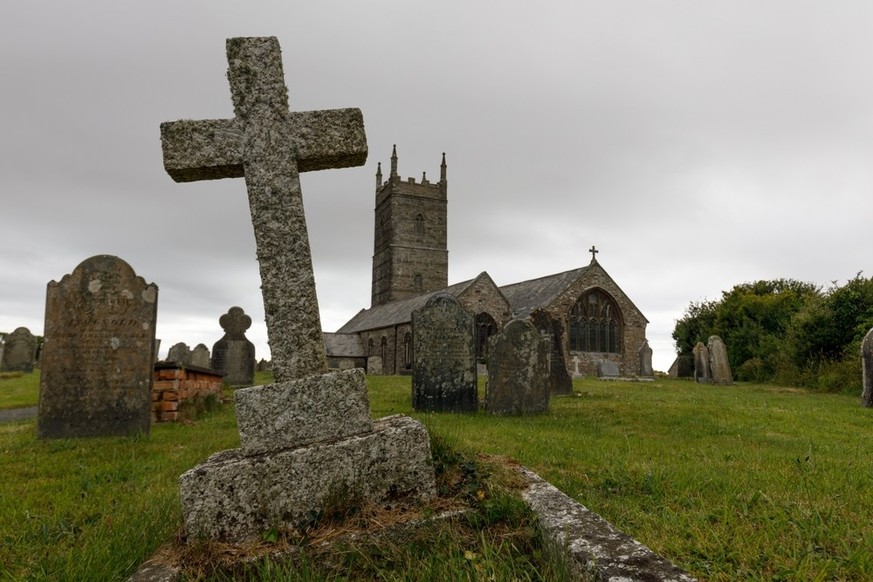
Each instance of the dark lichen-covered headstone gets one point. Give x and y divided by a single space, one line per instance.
719 366
518 370
645 353
444 357
702 370
867 370
234 355
559 379
98 353
19 351
179 353
200 356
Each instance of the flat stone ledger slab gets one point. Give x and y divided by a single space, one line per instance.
444 357
518 370
235 497
607 369
98 354
285 415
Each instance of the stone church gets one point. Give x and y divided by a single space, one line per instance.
586 314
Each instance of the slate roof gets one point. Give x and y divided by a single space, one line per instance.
396 312
346 345
526 296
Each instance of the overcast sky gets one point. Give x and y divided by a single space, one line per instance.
697 144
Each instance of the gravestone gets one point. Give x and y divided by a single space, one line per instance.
559 379
444 357
645 353
702 370
518 370
98 354
309 435
867 370
234 355
157 348
200 356
2 347
180 354
720 367
19 351
682 367
608 369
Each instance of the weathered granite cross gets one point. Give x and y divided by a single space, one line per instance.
269 145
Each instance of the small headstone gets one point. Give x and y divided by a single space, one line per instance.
200 356
608 369
98 355
559 379
19 351
720 367
867 370
234 355
444 357
682 367
518 370
645 353
179 353
702 370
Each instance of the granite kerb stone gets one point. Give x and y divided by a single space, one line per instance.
299 412
591 547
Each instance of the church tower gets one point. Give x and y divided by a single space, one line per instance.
410 250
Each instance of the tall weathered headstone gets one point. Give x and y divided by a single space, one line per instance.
559 379
720 367
518 370
179 353
98 352
645 353
309 435
702 370
19 351
200 356
444 357
234 355
867 370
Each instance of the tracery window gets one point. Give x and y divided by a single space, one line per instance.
595 324
419 224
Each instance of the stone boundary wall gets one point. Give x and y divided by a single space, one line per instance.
175 384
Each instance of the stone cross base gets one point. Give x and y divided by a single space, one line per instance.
301 441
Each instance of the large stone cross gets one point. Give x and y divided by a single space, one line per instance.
269 145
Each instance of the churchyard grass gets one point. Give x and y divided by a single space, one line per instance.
740 482
18 389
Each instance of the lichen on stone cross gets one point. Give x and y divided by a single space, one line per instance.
269 145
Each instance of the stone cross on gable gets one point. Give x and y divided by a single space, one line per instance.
268 145
593 252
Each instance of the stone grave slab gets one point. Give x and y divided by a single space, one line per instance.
608 369
518 370
98 358
867 370
720 367
19 351
180 354
559 379
645 353
444 357
702 365
200 356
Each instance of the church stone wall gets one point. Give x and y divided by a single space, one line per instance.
482 296
633 324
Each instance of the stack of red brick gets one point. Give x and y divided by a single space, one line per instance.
175 384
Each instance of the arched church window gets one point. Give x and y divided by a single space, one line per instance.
419 224
595 324
383 351
416 282
407 350
370 347
485 328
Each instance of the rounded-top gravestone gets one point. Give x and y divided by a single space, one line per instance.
19 351
518 370
444 357
98 354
